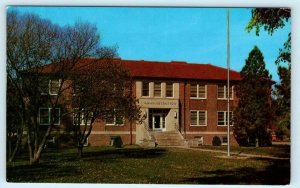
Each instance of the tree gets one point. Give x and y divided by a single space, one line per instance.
268 18
253 115
103 90
283 90
271 19
32 43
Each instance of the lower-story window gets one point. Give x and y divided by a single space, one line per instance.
45 115
198 118
224 140
115 118
222 118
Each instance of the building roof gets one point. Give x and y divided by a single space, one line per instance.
165 70
178 70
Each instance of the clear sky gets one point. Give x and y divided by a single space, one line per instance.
195 35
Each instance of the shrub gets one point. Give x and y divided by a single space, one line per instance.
116 141
216 141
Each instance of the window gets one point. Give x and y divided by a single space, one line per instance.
198 118
224 140
157 89
198 91
54 87
45 115
115 118
82 117
145 89
50 86
169 89
222 118
222 89
44 86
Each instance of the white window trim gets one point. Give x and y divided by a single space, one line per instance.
198 92
115 123
172 90
81 122
225 91
59 84
198 125
223 143
49 116
225 118
143 90
160 90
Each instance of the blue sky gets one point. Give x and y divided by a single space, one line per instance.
195 35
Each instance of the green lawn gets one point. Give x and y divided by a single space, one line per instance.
148 165
274 151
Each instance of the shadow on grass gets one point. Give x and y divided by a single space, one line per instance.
138 153
39 173
277 173
55 165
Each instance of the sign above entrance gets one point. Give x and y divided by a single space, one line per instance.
158 103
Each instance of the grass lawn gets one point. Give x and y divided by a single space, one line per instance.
274 151
148 165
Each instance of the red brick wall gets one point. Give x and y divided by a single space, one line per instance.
212 105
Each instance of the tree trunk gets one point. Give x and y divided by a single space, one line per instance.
18 143
79 155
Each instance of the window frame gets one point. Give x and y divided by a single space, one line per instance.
82 122
225 92
154 83
197 89
225 118
171 83
115 121
222 141
59 84
197 112
142 88
49 116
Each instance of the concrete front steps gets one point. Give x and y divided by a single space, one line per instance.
168 138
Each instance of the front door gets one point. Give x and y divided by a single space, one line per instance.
158 122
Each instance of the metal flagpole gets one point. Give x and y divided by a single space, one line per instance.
228 89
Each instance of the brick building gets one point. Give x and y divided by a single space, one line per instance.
181 104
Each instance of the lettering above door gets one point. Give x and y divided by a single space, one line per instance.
158 103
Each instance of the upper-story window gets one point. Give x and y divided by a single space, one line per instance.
145 89
50 86
54 87
169 89
198 91
157 89
223 93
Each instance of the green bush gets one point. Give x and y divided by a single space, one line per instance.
216 141
116 141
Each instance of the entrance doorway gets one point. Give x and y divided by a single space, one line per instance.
157 120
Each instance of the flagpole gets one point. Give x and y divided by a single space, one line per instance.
228 89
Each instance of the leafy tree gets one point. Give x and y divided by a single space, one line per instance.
103 91
268 18
253 114
272 19
32 43
283 90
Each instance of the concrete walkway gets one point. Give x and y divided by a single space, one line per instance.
234 154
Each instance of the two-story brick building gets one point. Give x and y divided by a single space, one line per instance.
181 103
